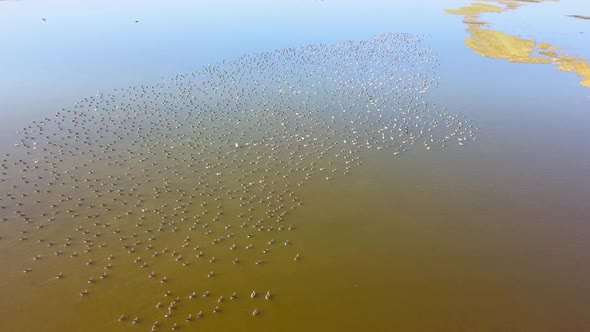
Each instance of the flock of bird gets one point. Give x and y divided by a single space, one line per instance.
201 172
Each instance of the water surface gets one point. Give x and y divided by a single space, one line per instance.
490 235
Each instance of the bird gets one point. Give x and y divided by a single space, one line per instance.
199 162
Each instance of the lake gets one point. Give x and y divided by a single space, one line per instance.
302 165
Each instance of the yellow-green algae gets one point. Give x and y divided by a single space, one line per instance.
500 45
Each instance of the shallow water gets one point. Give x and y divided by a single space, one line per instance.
486 235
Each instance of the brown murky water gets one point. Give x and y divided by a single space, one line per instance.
346 179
